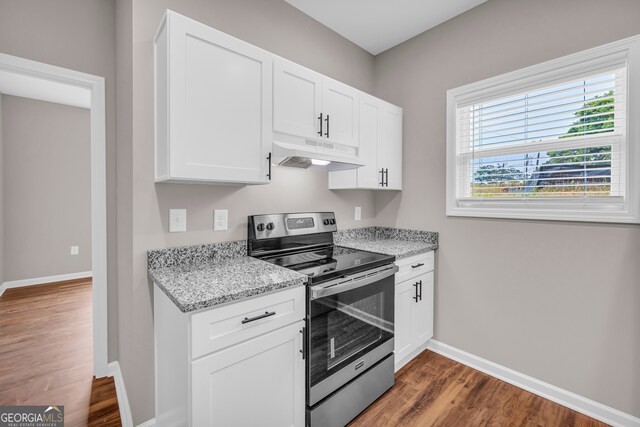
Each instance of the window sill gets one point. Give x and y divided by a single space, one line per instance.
604 213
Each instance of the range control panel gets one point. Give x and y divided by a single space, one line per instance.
291 224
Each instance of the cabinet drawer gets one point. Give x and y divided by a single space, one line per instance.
222 327
414 266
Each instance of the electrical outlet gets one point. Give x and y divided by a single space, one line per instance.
75 250
220 220
177 220
358 213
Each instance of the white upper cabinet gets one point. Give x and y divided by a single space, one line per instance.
297 99
368 176
380 147
312 109
213 105
390 147
340 108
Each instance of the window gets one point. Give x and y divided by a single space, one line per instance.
552 141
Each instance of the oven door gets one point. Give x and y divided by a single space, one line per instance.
350 328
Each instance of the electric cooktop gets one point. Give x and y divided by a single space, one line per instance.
330 262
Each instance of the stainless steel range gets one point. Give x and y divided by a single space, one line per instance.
349 323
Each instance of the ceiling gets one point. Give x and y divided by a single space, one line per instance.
377 25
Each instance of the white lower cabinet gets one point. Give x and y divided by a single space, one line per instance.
252 375
403 336
259 382
413 308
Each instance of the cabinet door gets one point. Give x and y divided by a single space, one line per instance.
369 135
220 99
391 145
403 333
369 175
258 382
422 311
340 110
297 93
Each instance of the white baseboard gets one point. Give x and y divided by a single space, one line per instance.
43 280
563 397
148 423
123 400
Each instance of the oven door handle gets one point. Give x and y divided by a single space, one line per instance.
344 284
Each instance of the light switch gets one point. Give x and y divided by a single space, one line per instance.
75 250
220 220
177 220
358 213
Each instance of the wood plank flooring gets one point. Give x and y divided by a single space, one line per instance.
432 390
46 353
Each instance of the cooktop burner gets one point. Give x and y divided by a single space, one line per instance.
329 262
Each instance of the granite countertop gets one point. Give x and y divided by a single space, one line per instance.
401 243
204 276
398 248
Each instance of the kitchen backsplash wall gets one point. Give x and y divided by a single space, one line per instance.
1 199
276 27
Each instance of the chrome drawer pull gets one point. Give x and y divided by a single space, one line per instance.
262 316
418 265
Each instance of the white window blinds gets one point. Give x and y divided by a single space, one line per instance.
551 141
562 140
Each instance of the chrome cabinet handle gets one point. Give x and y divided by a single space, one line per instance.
320 118
261 316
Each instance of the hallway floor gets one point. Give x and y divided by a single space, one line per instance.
46 353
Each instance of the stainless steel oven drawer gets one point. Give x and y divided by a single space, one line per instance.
343 406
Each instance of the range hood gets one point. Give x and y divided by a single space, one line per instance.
313 157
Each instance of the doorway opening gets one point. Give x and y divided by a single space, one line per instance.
35 81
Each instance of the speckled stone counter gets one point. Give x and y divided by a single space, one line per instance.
197 277
401 243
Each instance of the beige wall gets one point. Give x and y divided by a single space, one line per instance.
47 188
558 301
279 28
80 35
1 201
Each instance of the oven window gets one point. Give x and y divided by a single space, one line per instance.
346 326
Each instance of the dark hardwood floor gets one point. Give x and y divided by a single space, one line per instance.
432 390
46 353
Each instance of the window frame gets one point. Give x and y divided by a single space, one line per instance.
606 209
